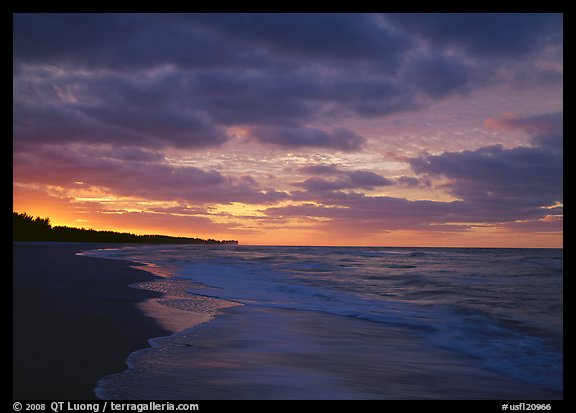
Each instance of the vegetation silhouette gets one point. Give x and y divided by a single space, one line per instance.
27 228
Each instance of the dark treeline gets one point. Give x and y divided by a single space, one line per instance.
27 228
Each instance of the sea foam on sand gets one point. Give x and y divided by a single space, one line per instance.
263 353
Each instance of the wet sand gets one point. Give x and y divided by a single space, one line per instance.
255 353
75 320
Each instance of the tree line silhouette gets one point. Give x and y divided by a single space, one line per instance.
27 228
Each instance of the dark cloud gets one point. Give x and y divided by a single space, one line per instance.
98 98
340 179
222 39
115 125
366 180
161 80
528 175
199 41
331 36
439 75
145 175
345 179
546 130
506 184
367 214
172 127
118 41
55 37
339 139
53 106
411 181
375 214
332 169
509 35
518 188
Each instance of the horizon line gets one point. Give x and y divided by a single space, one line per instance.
293 245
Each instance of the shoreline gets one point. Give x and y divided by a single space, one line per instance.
261 353
80 321
75 319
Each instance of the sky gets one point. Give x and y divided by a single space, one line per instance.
293 129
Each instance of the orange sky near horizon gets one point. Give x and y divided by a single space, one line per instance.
298 237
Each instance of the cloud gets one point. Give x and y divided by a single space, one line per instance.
145 175
341 179
115 125
99 99
493 173
121 41
439 75
480 49
506 184
320 169
546 130
192 40
551 223
375 214
339 139
345 179
533 125
410 181
509 35
180 80
322 36
515 188
59 106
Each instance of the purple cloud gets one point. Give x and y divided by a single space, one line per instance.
518 187
99 98
546 130
345 179
339 139
439 75
341 179
520 178
510 35
179 80
151 179
375 214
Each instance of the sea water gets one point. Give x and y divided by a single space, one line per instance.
415 318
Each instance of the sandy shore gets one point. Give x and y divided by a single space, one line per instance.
75 320
254 353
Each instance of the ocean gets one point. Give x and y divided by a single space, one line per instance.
348 323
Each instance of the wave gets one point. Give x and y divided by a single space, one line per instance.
493 305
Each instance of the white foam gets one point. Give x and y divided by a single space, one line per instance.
459 299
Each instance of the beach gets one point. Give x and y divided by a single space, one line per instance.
83 331
253 353
75 320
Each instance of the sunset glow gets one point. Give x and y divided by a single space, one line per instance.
294 129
